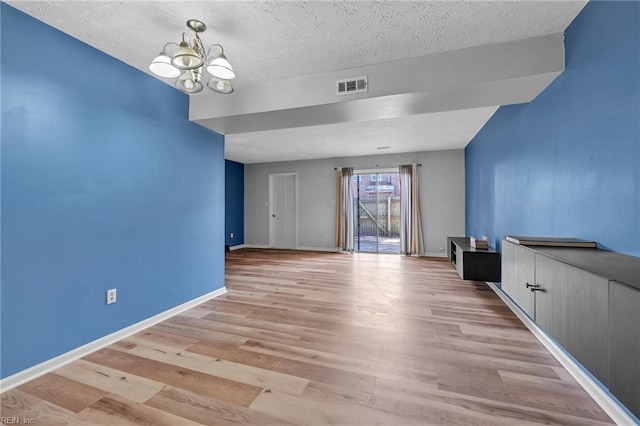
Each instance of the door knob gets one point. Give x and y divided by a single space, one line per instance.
532 285
273 215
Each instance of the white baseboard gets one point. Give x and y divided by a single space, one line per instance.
38 370
238 247
618 413
256 246
329 249
434 254
261 246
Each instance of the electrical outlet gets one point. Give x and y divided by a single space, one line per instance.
441 248
231 235
321 234
111 296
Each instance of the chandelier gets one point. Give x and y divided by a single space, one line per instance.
190 60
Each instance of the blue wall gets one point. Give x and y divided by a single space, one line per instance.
234 203
568 163
105 183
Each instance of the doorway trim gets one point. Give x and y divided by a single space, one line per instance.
270 211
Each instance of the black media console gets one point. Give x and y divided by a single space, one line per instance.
471 263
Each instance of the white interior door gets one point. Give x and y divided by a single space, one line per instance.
283 220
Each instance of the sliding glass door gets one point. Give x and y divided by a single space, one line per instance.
377 208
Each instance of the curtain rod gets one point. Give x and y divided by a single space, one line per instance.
379 167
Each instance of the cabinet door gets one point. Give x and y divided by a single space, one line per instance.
518 270
573 308
624 345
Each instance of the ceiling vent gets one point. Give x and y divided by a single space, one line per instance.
350 86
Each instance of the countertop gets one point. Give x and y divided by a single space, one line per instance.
606 264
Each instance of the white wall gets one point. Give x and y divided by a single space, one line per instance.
441 196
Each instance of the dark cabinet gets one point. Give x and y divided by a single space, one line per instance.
471 263
572 305
624 344
588 300
518 275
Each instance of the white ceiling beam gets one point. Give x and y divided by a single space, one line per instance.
497 74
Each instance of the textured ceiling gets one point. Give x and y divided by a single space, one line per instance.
276 40
266 40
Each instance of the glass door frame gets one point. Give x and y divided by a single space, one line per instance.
358 194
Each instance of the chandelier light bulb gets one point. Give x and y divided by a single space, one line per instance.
185 58
189 82
220 86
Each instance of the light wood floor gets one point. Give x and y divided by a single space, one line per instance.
321 338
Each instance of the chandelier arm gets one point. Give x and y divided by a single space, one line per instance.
216 44
164 49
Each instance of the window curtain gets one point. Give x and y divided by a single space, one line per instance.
411 243
344 210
